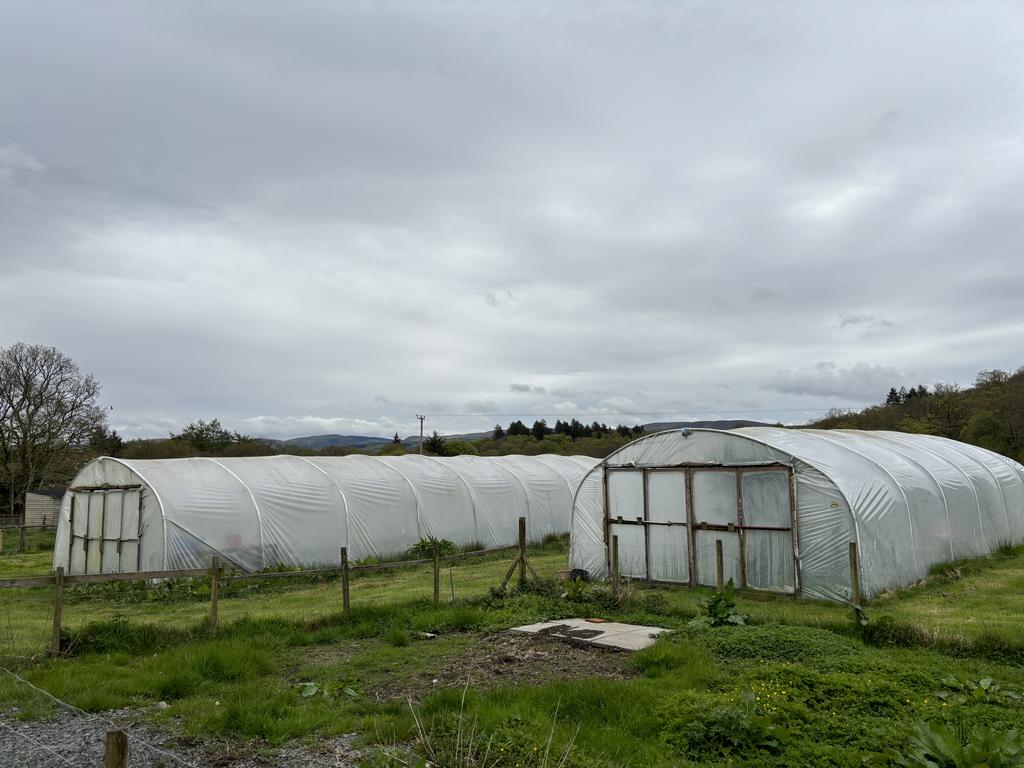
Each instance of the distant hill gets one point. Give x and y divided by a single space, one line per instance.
319 442
366 442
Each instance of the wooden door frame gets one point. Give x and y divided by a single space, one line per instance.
692 526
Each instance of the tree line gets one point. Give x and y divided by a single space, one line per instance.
573 428
989 414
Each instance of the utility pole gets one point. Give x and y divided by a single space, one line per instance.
421 418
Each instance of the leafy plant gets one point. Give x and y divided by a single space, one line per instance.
424 548
935 744
719 609
730 729
962 691
575 590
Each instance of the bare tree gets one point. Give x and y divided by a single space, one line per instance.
48 414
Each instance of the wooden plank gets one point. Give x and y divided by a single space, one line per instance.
691 533
794 533
437 575
58 610
647 533
719 566
99 578
740 535
345 604
105 487
607 522
522 551
615 565
854 574
103 528
214 593
71 530
115 749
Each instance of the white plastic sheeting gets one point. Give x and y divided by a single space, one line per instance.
258 512
908 501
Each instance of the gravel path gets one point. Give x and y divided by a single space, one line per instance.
72 739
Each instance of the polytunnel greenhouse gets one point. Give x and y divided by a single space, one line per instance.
787 503
169 514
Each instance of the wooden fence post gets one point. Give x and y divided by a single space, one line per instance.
214 595
522 551
1 541
719 566
437 574
115 750
21 540
615 565
855 584
344 580
58 609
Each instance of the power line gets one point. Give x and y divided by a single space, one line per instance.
693 414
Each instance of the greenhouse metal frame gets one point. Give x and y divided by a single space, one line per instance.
786 504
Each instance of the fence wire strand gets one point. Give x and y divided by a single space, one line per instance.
95 717
38 745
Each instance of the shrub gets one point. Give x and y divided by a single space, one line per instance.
782 643
719 609
424 548
699 730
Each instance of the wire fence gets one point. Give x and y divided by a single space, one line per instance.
219 575
75 737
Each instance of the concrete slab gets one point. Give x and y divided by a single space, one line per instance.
626 641
608 634
532 629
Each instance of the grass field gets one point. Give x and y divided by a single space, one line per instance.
800 685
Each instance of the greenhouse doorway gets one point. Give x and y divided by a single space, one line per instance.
669 521
105 525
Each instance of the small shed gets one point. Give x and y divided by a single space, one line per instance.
42 506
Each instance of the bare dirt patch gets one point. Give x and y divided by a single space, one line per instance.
509 658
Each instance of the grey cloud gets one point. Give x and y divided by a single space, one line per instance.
488 407
365 212
861 382
848 319
527 389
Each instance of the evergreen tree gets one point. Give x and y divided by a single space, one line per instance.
518 428
435 444
540 429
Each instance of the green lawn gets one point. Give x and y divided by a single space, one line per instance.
799 686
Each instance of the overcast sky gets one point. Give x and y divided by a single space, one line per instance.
329 217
